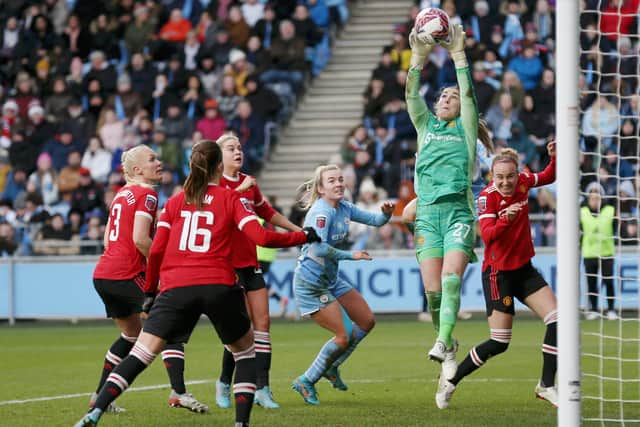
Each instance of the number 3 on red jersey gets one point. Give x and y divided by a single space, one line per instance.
116 211
191 231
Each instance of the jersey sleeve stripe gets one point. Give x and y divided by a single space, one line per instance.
246 220
145 214
535 175
164 224
487 216
261 203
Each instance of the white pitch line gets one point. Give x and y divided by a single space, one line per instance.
161 386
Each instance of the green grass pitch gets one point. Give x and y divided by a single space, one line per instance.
391 382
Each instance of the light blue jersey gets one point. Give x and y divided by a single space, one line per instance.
316 282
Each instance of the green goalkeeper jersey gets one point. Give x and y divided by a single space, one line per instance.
446 149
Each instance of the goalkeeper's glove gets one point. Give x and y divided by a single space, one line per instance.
149 299
455 45
419 50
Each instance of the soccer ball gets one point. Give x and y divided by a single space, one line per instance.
431 25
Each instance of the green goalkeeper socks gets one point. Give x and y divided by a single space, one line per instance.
449 307
434 299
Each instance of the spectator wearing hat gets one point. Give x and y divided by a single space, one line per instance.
627 199
97 160
42 81
264 102
125 102
139 32
212 125
88 196
69 176
9 120
45 180
238 28
25 94
527 65
239 68
102 71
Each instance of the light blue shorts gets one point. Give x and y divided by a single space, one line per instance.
311 297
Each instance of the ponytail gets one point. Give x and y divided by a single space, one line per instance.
484 135
205 159
311 193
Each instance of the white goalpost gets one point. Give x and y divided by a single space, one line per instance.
568 290
598 81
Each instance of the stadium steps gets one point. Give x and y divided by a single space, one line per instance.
333 103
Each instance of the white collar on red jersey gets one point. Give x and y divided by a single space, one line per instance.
230 178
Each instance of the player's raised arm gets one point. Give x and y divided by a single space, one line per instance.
416 107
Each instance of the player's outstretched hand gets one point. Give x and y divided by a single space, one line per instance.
312 236
551 148
358 255
419 49
149 299
455 41
387 208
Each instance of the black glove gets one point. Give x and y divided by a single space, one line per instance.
312 236
149 299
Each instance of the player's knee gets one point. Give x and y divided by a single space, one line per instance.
451 283
341 340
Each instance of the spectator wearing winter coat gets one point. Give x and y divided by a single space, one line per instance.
212 125
528 66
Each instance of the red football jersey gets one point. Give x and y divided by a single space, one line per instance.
121 259
193 247
244 250
508 244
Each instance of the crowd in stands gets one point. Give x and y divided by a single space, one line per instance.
511 47
81 81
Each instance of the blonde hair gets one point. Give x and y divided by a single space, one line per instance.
129 160
506 155
226 138
311 193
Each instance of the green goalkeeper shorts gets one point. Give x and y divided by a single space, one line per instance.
445 226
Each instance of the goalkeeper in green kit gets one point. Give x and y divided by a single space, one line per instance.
445 218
